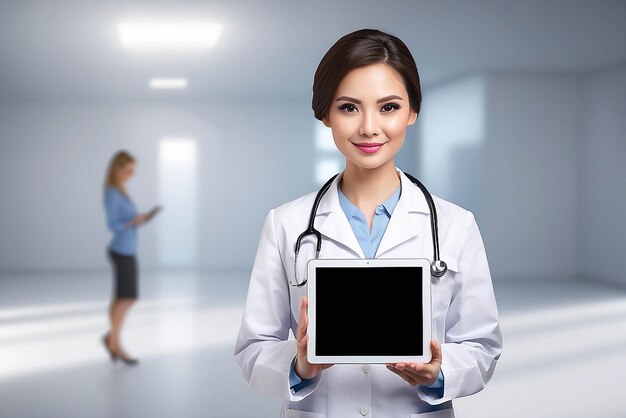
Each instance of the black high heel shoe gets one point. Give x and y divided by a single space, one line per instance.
114 356
127 360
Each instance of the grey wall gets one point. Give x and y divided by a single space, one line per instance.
602 176
530 208
505 147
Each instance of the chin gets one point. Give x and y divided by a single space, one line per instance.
370 163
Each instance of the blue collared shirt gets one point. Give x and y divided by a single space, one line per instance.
369 242
119 211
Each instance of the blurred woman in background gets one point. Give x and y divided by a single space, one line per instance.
123 220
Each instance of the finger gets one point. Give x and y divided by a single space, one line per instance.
412 367
435 348
436 354
426 375
404 376
302 322
302 346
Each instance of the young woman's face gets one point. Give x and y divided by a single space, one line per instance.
125 172
369 115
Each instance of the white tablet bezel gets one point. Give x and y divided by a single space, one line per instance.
365 263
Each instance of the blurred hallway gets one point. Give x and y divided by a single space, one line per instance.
522 122
568 335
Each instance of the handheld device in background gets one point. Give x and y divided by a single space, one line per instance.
154 211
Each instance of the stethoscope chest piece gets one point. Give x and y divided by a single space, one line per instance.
438 268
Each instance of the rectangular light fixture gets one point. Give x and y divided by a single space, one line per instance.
169 35
168 83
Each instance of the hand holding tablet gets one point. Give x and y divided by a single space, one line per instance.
423 374
303 368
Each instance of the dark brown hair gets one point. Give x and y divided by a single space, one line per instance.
358 49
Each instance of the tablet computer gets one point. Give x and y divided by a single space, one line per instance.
154 211
369 311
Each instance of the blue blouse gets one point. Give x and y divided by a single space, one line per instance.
119 211
369 240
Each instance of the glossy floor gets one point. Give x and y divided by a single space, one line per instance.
564 356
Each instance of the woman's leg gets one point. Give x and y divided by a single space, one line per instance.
125 295
117 313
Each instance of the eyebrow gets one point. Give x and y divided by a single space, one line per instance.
357 101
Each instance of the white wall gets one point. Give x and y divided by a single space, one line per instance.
511 148
252 156
602 176
452 131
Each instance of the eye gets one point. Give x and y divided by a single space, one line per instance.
348 107
390 107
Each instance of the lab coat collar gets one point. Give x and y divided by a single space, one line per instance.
332 222
406 222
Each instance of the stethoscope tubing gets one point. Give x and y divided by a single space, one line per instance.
437 267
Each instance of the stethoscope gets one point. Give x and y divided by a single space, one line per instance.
437 267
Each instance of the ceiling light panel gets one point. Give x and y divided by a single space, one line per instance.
168 83
169 35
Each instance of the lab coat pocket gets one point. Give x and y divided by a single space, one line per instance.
293 413
443 413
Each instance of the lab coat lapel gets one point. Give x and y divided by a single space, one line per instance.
407 219
332 222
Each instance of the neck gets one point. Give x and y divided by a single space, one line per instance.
369 187
121 186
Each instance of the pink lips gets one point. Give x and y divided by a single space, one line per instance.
369 147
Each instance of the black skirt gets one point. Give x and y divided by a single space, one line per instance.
125 275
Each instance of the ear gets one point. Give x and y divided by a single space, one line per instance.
326 121
412 118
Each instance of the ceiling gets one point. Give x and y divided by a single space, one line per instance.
270 49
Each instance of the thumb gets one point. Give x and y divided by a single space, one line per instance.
435 348
304 306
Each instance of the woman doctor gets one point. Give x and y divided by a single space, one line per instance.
366 89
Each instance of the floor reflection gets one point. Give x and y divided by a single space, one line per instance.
564 350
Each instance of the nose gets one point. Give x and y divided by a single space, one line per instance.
369 125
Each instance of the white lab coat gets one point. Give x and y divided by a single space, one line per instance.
464 312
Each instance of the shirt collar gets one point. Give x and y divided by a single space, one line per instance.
389 205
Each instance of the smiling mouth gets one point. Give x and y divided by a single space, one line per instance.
369 147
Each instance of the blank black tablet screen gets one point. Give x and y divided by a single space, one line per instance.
368 311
